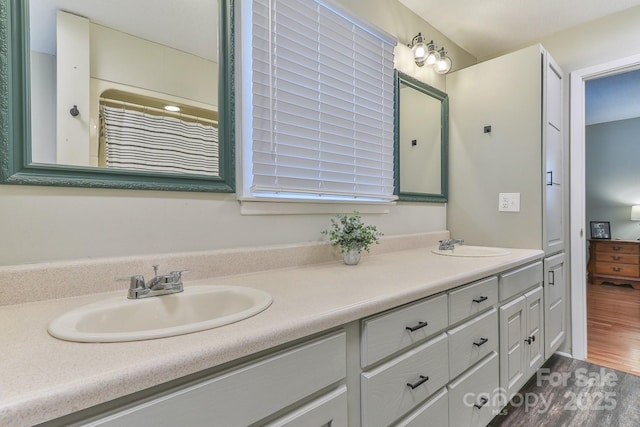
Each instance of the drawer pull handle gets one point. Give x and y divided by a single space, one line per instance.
483 401
420 325
531 339
616 248
479 300
616 257
481 342
418 383
617 269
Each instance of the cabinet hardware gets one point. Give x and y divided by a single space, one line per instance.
420 325
616 248
422 379
483 401
617 269
479 300
552 277
481 342
531 339
616 257
550 182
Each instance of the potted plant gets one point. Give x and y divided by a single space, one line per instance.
352 235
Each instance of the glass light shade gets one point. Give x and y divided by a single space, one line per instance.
432 54
635 213
419 49
443 64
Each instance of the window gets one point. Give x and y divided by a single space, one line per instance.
322 115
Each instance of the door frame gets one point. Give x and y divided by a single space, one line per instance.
578 193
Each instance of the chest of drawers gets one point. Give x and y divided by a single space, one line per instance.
614 261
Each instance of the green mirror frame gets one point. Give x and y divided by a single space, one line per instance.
401 78
15 122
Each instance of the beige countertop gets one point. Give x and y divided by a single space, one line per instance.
42 378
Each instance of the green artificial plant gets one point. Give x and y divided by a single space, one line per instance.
350 233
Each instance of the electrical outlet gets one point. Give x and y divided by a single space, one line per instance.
509 202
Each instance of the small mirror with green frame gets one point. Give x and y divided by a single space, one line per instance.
421 141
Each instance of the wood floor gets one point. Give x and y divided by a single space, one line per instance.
572 393
613 327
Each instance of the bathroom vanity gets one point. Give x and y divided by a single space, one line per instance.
403 337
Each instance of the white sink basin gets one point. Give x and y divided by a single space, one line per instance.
195 309
473 251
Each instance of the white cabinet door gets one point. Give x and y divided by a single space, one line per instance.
554 303
513 329
535 331
553 187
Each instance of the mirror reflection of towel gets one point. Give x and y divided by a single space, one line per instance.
141 141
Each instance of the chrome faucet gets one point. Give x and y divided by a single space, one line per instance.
450 244
160 284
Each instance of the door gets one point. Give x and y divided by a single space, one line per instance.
554 303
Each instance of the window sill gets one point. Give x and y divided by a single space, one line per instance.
274 206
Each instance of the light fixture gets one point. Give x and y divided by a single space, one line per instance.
635 213
443 63
428 53
432 53
420 50
172 108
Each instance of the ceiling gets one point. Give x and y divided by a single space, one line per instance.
192 29
487 28
612 98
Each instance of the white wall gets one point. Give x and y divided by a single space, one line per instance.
41 224
420 164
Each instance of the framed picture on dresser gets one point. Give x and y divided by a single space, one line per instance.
600 230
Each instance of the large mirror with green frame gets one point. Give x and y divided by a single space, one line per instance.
421 146
118 94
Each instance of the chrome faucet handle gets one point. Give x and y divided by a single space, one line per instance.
135 282
136 285
177 275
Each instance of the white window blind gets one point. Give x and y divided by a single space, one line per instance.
323 112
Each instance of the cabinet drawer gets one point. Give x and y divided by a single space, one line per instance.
434 412
328 410
623 270
247 394
473 398
395 330
517 281
617 258
618 247
471 341
396 387
472 299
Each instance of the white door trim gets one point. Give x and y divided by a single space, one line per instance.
578 231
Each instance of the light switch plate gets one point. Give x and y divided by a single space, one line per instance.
509 202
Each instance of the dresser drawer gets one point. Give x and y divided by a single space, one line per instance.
398 386
471 341
472 299
473 399
617 258
618 247
517 281
434 412
623 270
395 330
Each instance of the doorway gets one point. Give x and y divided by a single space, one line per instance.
578 231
